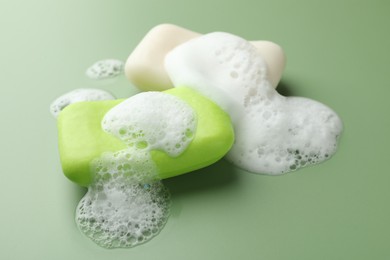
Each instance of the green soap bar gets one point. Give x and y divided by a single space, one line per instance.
81 138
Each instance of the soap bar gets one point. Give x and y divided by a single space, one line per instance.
82 139
145 65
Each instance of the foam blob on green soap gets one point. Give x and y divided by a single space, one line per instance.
153 121
274 134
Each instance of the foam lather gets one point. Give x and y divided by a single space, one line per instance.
88 130
273 134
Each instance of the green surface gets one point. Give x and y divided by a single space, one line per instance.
337 52
81 138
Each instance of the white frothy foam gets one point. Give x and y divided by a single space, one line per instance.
273 134
105 69
152 120
117 212
78 95
126 206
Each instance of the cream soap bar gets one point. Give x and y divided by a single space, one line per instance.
145 65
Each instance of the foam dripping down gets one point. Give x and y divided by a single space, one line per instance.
120 212
127 205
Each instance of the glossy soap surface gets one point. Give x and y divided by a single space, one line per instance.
336 54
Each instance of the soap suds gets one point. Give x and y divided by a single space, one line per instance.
273 134
78 95
105 69
120 212
152 120
127 205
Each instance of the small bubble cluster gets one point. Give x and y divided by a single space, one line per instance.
267 126
105 69
78 95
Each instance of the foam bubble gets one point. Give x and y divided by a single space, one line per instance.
273 134
126 205
118 213
78 95
153 121
105 69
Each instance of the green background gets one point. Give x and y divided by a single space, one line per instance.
338 53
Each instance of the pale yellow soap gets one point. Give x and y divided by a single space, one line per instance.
145 65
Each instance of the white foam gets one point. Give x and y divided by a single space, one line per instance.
221 66
126 206
78 95
118 213
153 120
105 69
274 134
